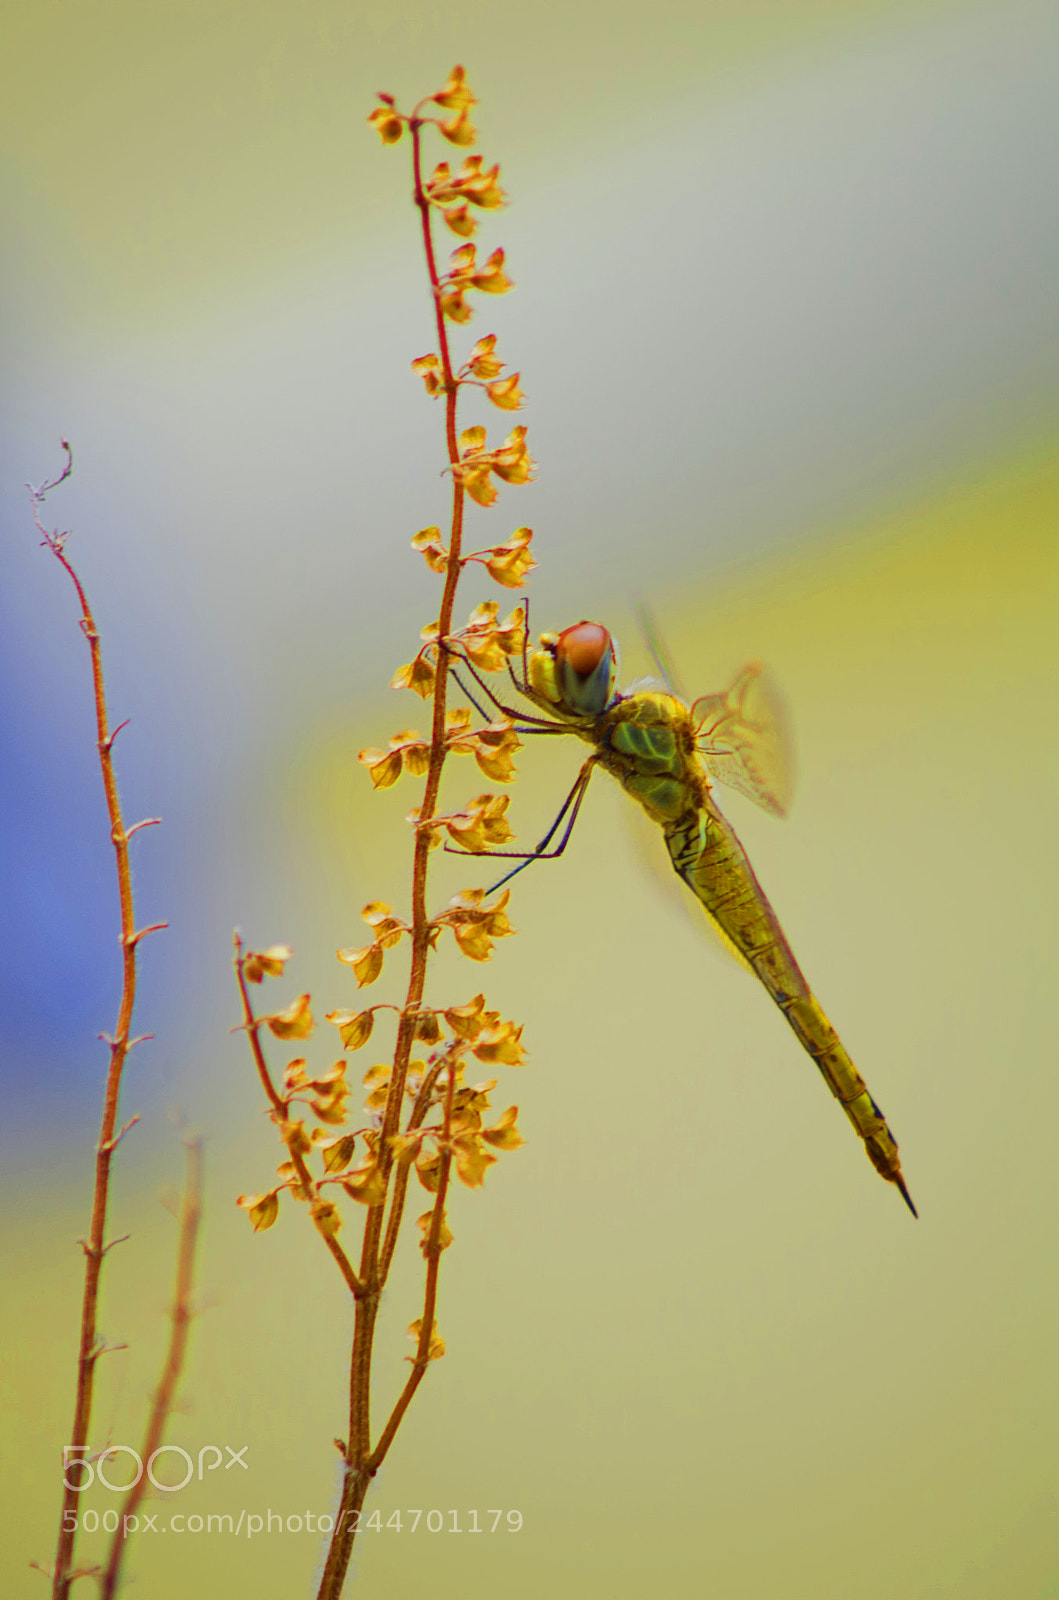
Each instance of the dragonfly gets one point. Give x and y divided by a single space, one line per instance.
666 755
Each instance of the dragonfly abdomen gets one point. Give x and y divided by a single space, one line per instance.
708 856
806 1016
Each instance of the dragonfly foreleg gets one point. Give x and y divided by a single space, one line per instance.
468 695
540 724
569 809
519 727
523 687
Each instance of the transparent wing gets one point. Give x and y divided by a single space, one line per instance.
745 739
658 649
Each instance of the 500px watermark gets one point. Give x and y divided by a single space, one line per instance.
91 1462
250 1524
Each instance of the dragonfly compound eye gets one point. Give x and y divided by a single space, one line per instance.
586 666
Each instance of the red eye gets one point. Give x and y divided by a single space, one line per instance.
583 647
585 667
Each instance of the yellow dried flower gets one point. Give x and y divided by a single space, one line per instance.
482 361
425 1223
459 129
262 1209
354 1026
491 279
437 1344
326 1216
513 462
418 676
338 1153
429 369
387 124
459 219
483 825
456 94
407 752
294 1022
366 963
500 1045
465 1021
471 1159
505 393
511 563
366 1185
429 543
503 1135
258 964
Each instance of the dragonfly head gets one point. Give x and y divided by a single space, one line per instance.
575 670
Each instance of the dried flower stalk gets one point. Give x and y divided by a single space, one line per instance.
422 1117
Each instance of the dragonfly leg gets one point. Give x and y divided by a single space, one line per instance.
525 858
523 687
543 724
468 695
519 727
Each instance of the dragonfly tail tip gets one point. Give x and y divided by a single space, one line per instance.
907 1197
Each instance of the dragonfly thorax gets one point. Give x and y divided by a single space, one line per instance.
575 670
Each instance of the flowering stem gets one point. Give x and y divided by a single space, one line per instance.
361 1461
280 1111
400 1182
420 920
432 1250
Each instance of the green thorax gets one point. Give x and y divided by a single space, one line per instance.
647 741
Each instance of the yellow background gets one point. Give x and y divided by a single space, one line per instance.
691 1337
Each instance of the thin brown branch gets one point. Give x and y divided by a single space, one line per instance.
426 1328
123 1130
94 1250
134 937
280 1108
181 1314
400 1185
251 1025
148 822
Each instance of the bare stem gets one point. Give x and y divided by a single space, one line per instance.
94 1249
181 1314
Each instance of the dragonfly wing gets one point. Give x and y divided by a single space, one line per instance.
745 739
658 650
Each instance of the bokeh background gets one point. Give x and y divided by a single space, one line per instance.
786 319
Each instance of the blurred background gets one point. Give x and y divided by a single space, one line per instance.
786 321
